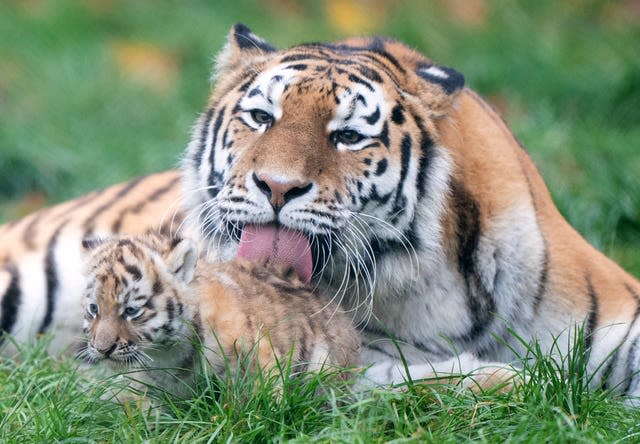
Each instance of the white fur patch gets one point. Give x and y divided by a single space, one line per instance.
269 87
5 281
434 71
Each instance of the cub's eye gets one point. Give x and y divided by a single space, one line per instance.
93 309
347 137
132 312
261 117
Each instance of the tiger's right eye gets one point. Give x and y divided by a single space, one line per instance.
93 309
261 117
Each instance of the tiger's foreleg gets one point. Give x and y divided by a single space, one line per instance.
464 370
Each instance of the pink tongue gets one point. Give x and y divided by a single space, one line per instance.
280 245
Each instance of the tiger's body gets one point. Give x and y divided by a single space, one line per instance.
423 213
151 305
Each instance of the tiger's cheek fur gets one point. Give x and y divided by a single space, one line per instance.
228 153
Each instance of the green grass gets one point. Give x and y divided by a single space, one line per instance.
43 399
565 75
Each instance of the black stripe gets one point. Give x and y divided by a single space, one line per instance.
89 224
171 310
29 234
397 114
245 86
480 302
10 302
399 206
51 277
374 346
613 361
377 46
133 271
157 288
354 78
140 206
632 372
204 134
544 277
351 55
468 227
214 177
373 117
544 274
304 349
255 91
384 135
592 320
427 152
297 57
381 167
405 147
216 129
84 200
370 74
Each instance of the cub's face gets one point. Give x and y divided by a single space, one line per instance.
134 301
336 142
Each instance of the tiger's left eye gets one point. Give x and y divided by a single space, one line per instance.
261 117
132 312
347 137
93 309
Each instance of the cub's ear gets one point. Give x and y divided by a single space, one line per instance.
182 258
91 243
242 47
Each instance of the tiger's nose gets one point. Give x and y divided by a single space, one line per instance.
280 192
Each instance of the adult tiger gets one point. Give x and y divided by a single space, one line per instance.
414 204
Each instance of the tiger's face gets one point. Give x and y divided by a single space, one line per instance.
330 142
136 301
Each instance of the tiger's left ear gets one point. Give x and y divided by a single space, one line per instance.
182 259
242 47
437 86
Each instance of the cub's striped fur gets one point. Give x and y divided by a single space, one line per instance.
424 214
41 258
148 306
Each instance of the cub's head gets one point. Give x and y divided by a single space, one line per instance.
136 298
326 146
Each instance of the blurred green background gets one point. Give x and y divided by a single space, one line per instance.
95 92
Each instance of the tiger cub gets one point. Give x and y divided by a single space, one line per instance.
150 303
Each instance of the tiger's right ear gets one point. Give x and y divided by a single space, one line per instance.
242 47
182 259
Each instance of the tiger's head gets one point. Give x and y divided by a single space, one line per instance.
319 154
137 299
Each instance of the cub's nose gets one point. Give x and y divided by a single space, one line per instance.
107 350
280 192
